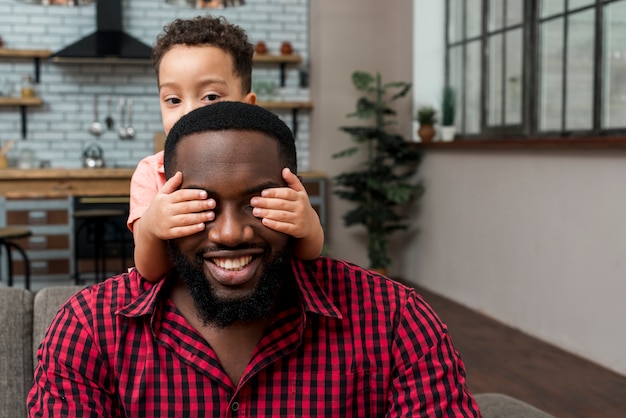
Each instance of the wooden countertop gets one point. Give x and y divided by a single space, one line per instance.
49 183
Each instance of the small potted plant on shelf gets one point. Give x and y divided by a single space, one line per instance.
448 113
384 184
427 118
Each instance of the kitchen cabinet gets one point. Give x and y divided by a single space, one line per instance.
49 247
23 103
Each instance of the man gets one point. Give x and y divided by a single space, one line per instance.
240 326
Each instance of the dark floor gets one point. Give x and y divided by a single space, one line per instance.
501 359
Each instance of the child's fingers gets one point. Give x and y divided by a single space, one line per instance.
282 204
173 183
276 215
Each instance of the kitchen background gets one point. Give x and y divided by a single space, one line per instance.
58 132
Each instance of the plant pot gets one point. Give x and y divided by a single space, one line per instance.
426 133
447 133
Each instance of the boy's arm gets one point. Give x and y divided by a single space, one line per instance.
288 210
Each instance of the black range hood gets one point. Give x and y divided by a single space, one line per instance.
108 43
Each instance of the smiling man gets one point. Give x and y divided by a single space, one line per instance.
240 327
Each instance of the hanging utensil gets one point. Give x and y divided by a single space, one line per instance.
110 123
121 131
96 127
130 131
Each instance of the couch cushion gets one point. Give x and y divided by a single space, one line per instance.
16 348
498 405
47 304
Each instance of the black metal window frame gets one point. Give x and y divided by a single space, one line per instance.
531 64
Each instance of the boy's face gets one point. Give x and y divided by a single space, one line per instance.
195 76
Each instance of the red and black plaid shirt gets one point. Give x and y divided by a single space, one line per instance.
358 344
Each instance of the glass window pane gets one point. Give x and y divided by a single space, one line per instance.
575 4
473 73
495 15
455 30
514 12
551 7
551 75
580 47
494 105
474 18
456 81
513 86
614 63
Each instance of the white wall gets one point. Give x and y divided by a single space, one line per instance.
535 239
349 35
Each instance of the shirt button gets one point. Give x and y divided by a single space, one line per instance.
235 406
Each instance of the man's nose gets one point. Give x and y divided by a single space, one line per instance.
231 227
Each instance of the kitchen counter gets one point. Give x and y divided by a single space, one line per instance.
49 183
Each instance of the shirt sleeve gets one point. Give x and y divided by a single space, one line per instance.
429 377
71 378
144 185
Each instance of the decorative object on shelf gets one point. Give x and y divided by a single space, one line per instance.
286 48
427 117
260 48
448 113
384 185
28 88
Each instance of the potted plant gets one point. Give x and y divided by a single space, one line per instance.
448 113
384 183
427 117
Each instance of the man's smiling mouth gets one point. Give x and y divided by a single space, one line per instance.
232 263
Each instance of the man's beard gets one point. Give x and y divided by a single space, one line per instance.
213 310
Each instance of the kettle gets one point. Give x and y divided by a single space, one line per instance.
93 156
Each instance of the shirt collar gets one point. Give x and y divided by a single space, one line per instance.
312 296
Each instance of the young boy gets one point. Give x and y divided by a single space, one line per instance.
198 62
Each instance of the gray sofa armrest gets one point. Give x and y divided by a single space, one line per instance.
16 348
48 301
498 405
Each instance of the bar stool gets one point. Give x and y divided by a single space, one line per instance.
96 222
6 236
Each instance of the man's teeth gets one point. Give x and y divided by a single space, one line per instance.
235 263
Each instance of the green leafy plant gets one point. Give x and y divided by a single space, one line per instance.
426 115
448 106
385 182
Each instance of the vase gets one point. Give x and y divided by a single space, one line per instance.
426 133
447 133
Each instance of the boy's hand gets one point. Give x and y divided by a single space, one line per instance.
176 213
287 209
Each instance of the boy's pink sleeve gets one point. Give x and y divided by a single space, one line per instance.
144 185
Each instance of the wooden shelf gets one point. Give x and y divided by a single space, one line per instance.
293 106
276 59
18 101
24 53
281 60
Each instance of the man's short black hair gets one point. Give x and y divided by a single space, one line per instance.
223 116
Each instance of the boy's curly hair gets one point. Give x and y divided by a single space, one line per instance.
211 31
